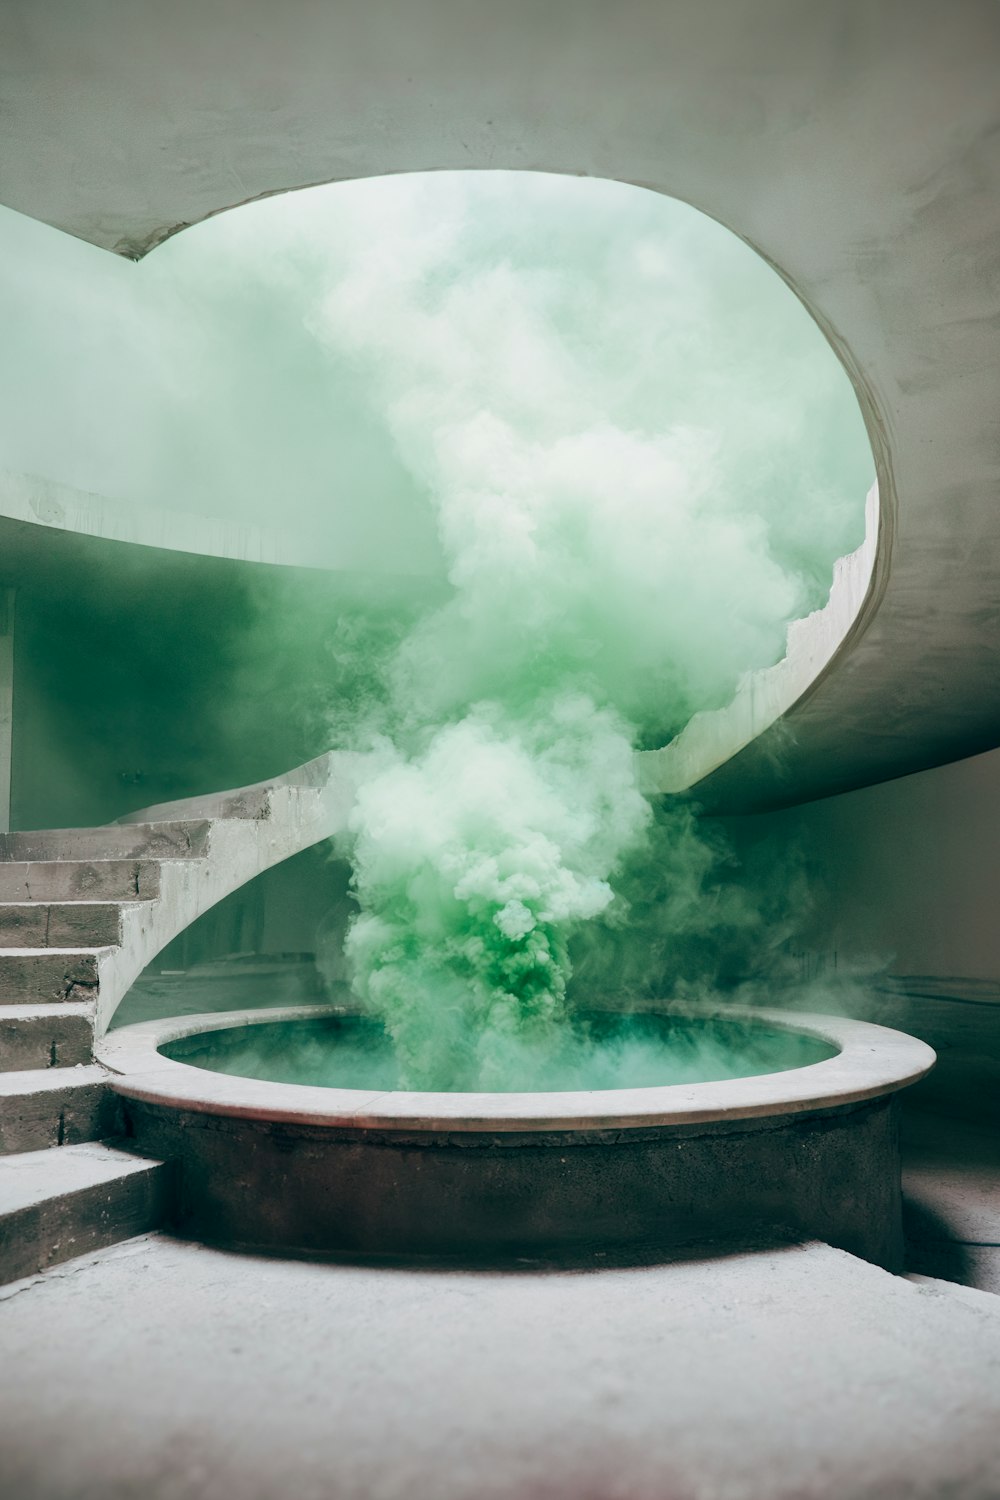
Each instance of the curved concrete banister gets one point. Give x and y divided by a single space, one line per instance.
254 801
812 644
244 832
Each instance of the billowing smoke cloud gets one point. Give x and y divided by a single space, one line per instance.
614 568
193 380
635 460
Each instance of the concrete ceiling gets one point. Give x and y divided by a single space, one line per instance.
855 144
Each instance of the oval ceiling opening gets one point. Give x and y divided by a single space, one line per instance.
624 454
328 362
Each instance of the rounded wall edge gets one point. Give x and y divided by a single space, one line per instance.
813 645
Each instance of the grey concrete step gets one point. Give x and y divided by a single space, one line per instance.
184 839
248 802
79 880
55 1107
46 1036
49 976
57 1204
60 924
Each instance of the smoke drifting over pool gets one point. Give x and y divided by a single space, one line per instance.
621 446
616 565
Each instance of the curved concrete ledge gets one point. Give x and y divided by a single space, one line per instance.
61 507
812 645
871 1061
811 1153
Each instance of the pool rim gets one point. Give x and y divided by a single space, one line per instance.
871 1061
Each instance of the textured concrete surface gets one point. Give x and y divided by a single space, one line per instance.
55 1106
177 839
297 1188
45 1036
165 1370
951 1184
58 1204
65 924
79 880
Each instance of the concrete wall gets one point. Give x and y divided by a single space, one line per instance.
907 873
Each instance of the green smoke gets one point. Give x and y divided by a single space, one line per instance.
623 534
632 460
477 856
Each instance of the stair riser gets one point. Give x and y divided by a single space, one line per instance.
43 925
45 978
43 1235
128 841
58 1117
83 880
50 1040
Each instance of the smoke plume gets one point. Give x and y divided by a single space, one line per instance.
613 569
627 453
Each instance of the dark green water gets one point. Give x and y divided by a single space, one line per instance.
600 1051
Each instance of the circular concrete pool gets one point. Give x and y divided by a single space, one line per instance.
805 1144
597 1050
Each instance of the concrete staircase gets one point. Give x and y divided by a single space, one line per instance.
82 911
65 897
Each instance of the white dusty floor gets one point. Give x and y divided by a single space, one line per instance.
165 1370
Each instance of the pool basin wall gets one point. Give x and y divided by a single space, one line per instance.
272 1186
500 1177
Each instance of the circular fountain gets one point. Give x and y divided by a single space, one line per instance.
804 1146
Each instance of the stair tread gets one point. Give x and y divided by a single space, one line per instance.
82 901
49 861
31 1011
157 826
78 952
32 1177
53 925
126 861
43 1036
181 839
44 1080
71 880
